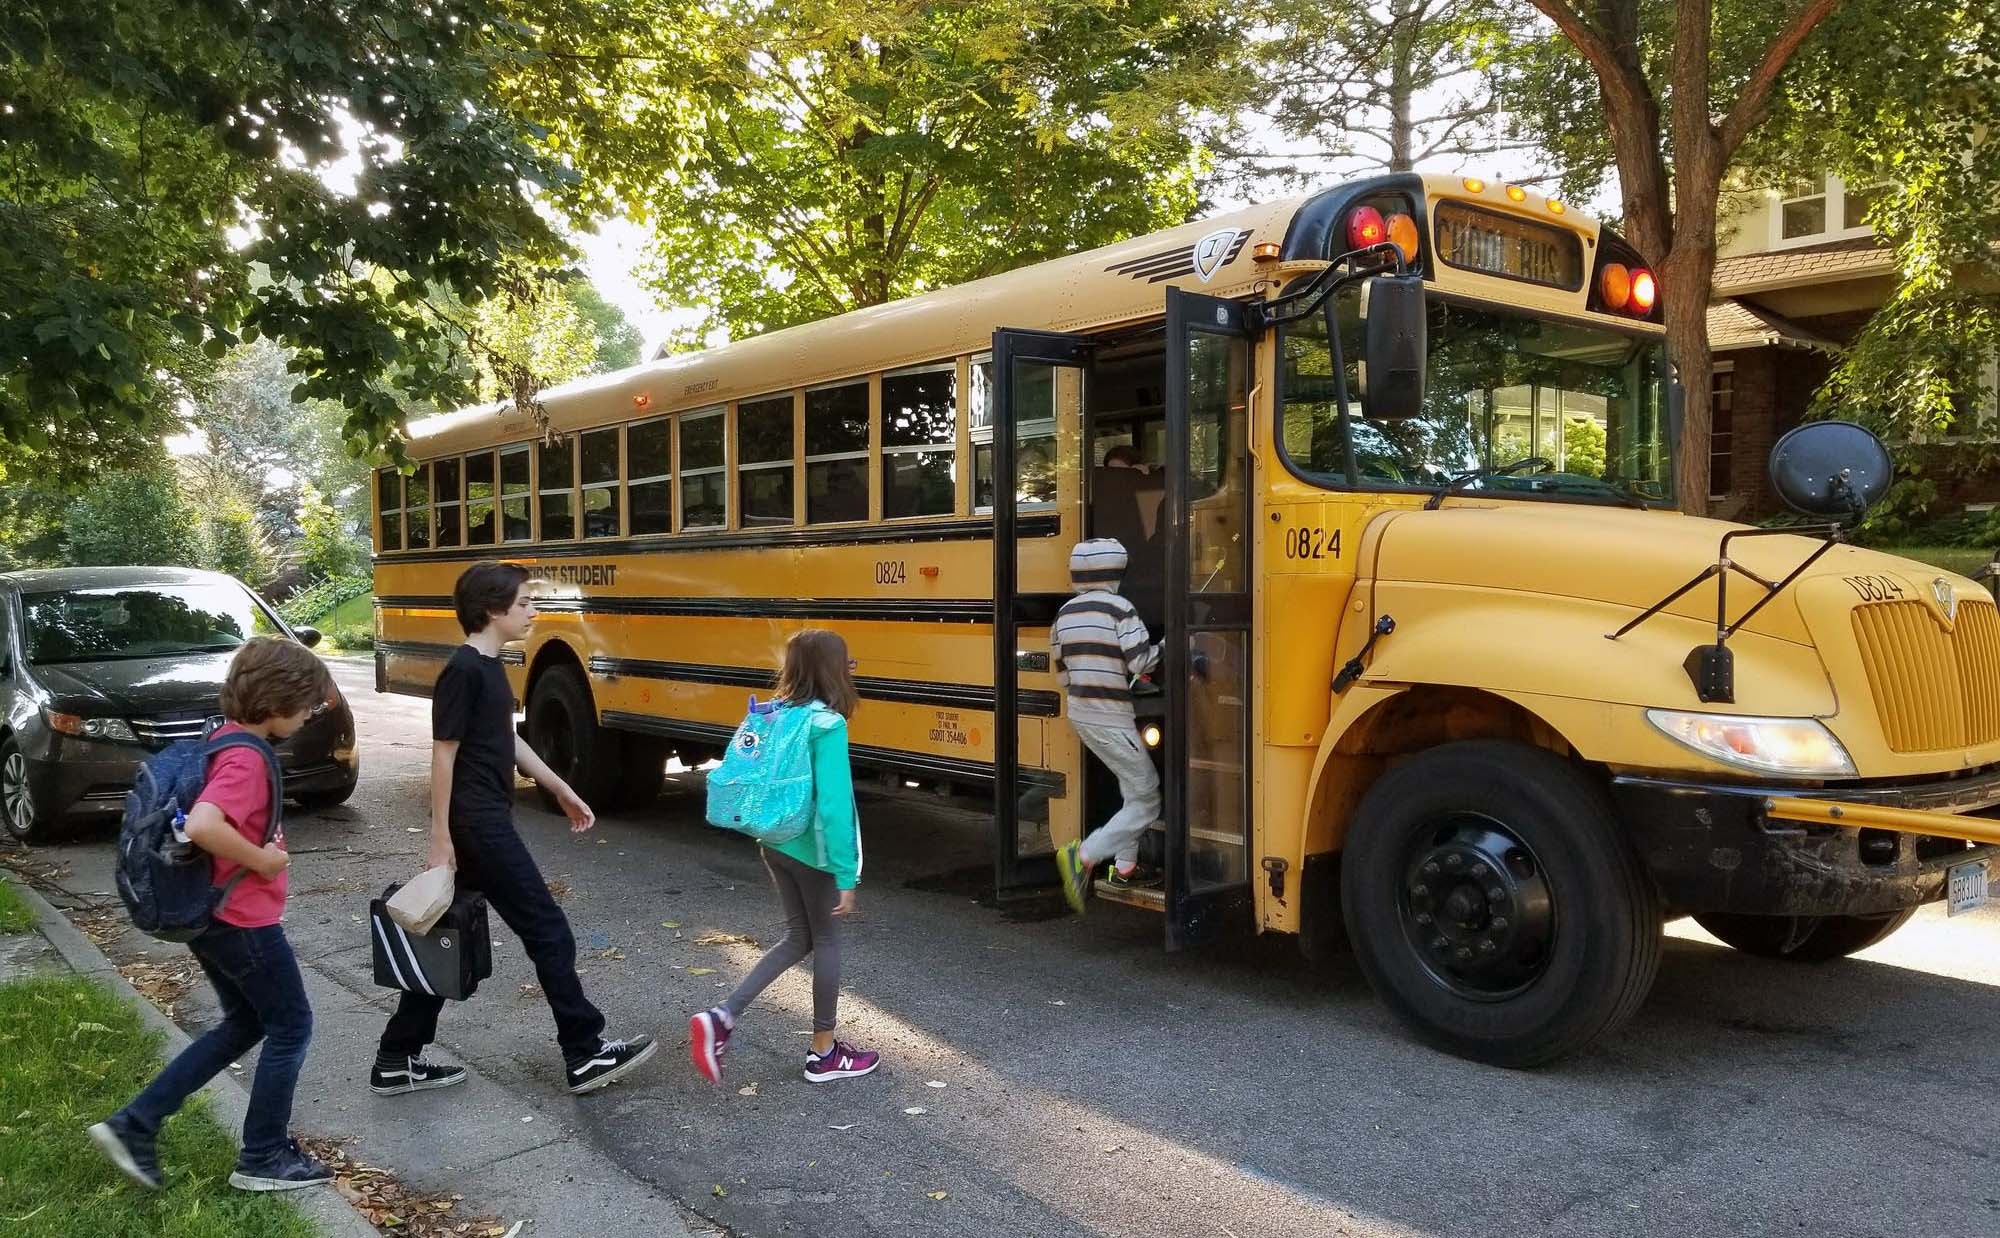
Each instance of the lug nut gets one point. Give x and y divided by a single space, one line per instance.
1423 917
1439 943
1485 947
1420 890
1495 893
1431 869
1453 860
1464 953
1499 922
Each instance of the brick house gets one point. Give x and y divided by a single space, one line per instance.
1798 276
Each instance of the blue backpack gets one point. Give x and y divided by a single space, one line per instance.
169 885
764 786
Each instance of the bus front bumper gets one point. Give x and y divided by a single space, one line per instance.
1857 850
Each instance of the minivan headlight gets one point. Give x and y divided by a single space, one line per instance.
114 730
1802 747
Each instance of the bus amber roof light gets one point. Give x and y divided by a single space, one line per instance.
1645 291
1403 231
1516 194
1365 228
1555 207
1474 185
1614 286
642 401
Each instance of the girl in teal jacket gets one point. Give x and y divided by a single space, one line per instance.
815 873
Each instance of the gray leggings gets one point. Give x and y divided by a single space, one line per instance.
809 896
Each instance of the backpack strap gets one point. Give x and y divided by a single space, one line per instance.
243 739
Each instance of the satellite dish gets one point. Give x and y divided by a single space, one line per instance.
1831 469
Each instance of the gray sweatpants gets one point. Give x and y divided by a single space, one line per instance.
809 897
1120 749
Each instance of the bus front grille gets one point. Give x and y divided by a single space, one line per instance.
1934 689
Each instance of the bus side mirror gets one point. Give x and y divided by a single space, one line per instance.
1395 325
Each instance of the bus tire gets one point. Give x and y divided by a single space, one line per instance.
645 771
1803 939
563 731
1494 903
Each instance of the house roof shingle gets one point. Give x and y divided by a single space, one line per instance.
1859 258
1733 325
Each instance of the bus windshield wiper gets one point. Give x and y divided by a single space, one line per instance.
1465 479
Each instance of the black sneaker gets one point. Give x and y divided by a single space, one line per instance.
134 1154
1138 877
290 1170
411 1074
612 1059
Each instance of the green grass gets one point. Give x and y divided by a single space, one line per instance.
72 1053
15 915
350 626
1965 560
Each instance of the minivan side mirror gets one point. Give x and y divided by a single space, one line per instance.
1395 325
309 637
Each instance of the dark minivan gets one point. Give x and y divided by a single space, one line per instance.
100 667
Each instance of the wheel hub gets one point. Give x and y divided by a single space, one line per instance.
1477 907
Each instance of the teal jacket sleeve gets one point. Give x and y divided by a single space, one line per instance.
833 800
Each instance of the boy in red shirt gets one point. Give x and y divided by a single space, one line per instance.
273 687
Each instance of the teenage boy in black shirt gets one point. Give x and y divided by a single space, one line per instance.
474 752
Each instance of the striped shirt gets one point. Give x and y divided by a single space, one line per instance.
1099 643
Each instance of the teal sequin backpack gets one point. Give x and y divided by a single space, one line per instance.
764 786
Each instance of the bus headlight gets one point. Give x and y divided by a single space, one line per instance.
1797 746
1151 734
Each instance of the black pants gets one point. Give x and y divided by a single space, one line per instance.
493 860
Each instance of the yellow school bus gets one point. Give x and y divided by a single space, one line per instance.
1445 674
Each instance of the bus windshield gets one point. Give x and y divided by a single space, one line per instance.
1513 404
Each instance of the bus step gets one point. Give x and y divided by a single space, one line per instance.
1150 900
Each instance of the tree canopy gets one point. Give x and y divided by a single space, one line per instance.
171 183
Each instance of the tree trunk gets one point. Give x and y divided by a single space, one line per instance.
1690 268
1402 52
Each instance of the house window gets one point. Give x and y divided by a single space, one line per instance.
764 462
1722 430
649 460
703 484
919 442
1821 209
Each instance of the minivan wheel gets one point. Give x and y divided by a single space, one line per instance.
17 799
1494 904
563 731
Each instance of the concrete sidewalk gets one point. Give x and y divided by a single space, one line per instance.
522 1156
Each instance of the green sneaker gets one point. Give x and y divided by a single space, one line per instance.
1075 875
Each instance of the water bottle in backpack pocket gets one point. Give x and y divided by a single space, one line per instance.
764 786
167 883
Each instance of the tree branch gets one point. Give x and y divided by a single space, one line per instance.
1749 107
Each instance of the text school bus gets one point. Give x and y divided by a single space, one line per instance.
1431 672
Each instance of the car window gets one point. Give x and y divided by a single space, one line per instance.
142 621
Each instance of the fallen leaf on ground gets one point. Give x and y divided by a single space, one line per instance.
611 953
670 924
747 1090
719 1191
935 1083
848 1127
701 971
940 1195
914 1110
558 889
1111 1148
724 939
531 990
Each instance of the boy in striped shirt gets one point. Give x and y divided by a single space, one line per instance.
1099 645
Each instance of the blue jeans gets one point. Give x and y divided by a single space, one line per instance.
263 996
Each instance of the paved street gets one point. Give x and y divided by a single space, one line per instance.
1095 1085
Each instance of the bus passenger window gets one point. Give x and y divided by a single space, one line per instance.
764 461
703 496
650 492
516 524
599 461
389 507
479 497
445 475
837 454
558 490
1034 437
417 509
919 443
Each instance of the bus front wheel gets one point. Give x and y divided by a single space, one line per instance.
1494 905
563 731
1803 939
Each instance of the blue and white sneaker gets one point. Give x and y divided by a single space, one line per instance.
134 1154
289 1170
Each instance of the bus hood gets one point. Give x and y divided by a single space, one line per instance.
1633 559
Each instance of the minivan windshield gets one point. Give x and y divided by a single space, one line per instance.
141 621
1514 404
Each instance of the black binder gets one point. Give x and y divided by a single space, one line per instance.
449 961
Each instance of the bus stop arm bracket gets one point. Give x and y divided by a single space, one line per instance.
1883 817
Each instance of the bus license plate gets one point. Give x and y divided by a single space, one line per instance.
1965 887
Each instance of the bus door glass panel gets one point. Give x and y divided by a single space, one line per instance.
1207 664
1017 401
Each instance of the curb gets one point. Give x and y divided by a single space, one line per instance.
327 1208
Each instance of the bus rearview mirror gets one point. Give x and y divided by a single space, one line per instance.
1394 325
